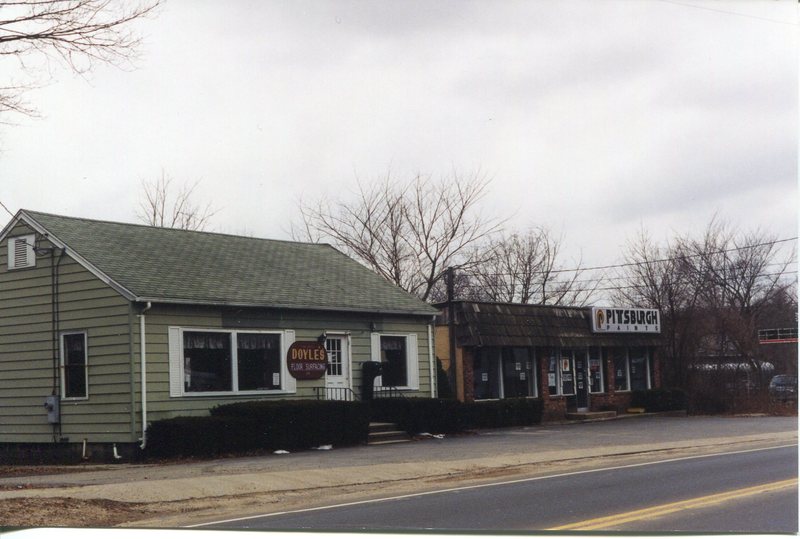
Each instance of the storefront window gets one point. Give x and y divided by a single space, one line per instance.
621 369
566 366
259 361
228 361
485 374
552 373
639 368
206 361
519 378
595 370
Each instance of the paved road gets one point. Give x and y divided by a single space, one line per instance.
557 438
704 493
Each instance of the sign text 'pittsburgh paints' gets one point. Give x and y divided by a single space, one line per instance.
307 360
625 320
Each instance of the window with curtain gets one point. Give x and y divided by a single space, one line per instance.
207 361
258 361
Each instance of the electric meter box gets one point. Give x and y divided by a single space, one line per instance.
52 404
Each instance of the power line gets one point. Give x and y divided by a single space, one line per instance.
5 208
605 278
475 286
644 263
766 19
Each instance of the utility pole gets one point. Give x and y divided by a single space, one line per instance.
451 326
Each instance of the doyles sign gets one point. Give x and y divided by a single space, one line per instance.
625 320
307 360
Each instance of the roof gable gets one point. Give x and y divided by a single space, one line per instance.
148 263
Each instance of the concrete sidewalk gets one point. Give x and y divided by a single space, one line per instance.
483 452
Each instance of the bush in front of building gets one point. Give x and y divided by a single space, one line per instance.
259 425
517 412
445 416
419 415
302 424
659 399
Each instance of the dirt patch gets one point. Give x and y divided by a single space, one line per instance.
27 471
38 512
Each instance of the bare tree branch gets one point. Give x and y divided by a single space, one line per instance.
159 207
524 268
407 232
77 33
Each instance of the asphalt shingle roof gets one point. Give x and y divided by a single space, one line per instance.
164 264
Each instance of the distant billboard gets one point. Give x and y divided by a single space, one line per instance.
625 320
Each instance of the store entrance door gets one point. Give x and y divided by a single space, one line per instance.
337 377
581 384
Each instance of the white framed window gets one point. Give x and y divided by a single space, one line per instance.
20 252
74 366
398 354
207 362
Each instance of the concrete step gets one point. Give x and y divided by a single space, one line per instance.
386 433
582 416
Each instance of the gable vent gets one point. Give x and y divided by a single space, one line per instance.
20 252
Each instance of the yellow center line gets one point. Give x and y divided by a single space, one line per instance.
609 521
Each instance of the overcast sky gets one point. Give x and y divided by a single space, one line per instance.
593 118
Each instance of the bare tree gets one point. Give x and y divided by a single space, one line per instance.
738 275
712 291
407 232
524 268
657 277
77 33
161 207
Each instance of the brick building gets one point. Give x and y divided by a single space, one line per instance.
576 359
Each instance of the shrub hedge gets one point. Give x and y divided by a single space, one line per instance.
260 425
292 425
659 399
444 416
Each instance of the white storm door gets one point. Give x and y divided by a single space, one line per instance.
337 377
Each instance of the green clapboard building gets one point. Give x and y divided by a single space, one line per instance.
106 327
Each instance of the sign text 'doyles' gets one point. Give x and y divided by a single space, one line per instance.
307 360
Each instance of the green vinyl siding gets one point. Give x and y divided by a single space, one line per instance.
86 304
306 325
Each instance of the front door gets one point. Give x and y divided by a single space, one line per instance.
581 383
337 377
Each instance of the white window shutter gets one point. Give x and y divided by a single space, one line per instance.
175 363
289 383
375 354
413 361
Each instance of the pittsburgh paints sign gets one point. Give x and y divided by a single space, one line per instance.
625 320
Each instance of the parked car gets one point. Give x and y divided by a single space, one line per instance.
783 387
